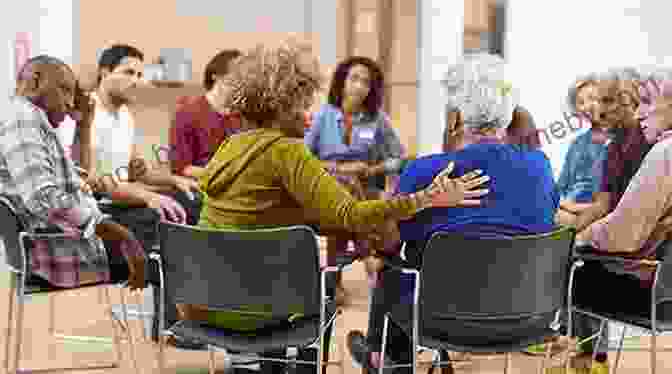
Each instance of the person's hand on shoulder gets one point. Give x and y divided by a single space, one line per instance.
447 192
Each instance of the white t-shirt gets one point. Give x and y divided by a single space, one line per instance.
112 136
66 134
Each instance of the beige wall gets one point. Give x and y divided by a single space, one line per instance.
151 25
384 30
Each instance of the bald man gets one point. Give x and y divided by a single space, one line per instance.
48 194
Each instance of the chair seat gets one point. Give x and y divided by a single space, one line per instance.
664 323
300 334
532 336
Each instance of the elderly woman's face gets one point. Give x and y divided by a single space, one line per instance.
586 96
659 119
357 84
648 91
614 105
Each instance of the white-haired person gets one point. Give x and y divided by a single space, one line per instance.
581 172
522 200
616 108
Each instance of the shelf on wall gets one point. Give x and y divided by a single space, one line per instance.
169 84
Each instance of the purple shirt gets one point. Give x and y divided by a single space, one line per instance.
624 156
197 131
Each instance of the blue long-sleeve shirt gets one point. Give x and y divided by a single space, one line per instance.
522 200
523 197
581 173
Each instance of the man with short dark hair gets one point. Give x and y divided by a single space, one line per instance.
106 147
138 195
201 123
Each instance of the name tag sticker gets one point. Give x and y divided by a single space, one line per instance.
367 134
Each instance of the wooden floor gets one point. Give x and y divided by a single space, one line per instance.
81 313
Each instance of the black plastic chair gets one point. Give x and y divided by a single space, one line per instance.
490 283
17 242
660 292
224 270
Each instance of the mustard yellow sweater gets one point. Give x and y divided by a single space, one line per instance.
262 178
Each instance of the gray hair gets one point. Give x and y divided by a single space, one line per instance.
627 73
656 73
28 68
577 84
628 79
478 88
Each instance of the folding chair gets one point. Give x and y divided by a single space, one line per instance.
17 242
660 292
491 284
224 270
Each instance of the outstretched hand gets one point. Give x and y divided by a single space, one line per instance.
448 192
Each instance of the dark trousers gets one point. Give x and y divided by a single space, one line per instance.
600 290
143 222
386 299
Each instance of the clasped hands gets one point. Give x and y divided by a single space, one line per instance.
358 169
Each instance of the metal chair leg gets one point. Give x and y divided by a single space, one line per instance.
129 333
383 347
620 349
596 347
10 319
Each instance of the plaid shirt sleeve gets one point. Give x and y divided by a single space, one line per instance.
33 169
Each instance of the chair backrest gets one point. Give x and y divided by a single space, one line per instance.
225 269
10 228
495 278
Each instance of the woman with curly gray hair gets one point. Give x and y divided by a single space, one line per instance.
267 177
582 170
484 103
484 66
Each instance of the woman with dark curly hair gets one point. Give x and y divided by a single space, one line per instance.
267 177
353 131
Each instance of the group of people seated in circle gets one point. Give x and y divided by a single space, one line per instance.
242 157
